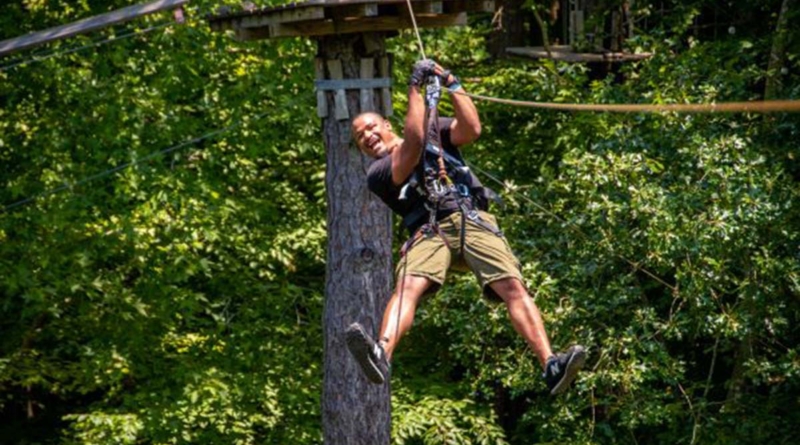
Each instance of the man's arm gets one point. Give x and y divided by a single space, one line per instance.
466 127
407 155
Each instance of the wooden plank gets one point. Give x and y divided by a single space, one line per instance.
347 11
340 99
367 72
433 7
352 84
616 26
246 34
322 103
287 16
565 53
386 23
86 25
386 93
451 7
576 26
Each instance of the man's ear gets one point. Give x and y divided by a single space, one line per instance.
387 124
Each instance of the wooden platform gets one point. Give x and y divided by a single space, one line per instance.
326 17
565 54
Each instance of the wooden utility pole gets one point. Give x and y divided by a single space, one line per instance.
359 270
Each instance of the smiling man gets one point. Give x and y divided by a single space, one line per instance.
443 205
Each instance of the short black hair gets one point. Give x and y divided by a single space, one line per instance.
365 113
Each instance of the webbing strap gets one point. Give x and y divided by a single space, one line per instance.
447 156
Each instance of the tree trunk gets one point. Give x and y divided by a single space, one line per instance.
359 263
777 56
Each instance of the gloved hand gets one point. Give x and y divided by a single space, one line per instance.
421 71
449 80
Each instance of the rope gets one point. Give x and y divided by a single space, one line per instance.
416 30
766 106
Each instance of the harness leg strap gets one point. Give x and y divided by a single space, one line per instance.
482 223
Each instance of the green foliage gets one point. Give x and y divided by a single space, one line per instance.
437 419
178 300
665 243
170 301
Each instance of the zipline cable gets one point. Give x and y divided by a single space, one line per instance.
36 59
56 53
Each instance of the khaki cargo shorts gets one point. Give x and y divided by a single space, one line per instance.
486 254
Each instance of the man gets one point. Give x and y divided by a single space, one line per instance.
443 206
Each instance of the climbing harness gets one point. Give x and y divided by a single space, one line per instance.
443 183
437 186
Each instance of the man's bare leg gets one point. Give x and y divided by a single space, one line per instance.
399 313
373 356
525 316
560 369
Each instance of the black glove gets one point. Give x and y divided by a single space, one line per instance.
421 71
449 80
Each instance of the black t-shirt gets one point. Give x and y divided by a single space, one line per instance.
379 180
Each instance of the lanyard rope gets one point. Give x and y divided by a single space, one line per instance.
766 106
416 30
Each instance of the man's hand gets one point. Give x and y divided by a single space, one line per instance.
449 80
421 71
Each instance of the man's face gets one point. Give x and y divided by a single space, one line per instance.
372 133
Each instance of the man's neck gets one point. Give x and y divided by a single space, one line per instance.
394 144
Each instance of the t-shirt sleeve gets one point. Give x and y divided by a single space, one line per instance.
444 132
379 177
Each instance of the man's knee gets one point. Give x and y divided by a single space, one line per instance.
510 290
414 286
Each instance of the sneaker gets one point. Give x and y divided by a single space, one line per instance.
562 368
368 354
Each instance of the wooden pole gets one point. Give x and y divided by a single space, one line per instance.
359 261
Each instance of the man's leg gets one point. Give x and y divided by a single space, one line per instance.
525 316
560 369
372 356
399 314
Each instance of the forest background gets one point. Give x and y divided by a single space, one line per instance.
166 290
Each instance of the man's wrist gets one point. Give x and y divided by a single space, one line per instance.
454 85
451 82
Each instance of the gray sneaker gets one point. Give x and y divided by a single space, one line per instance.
368 354
562 368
